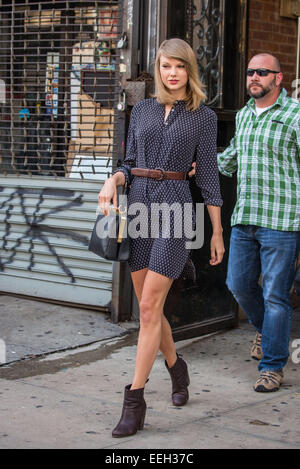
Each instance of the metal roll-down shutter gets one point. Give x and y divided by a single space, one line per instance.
59 85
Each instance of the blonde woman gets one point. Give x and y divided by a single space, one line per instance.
166 134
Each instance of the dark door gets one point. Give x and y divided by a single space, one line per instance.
216 31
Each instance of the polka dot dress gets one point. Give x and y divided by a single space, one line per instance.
186 136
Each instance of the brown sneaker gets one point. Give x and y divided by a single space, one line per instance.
269 381
256 350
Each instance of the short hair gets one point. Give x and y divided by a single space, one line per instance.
266 54
180 50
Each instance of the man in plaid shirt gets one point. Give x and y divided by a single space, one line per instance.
265 238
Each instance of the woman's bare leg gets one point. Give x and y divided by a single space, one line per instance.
152 300
167 345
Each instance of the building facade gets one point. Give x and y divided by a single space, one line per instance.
70 72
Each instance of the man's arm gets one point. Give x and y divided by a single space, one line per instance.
227 160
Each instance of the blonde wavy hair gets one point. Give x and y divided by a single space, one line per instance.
180 50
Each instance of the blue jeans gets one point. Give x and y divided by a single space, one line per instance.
253 251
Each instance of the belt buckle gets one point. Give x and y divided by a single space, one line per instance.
163 174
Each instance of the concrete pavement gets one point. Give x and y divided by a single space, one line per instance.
30 328
73 399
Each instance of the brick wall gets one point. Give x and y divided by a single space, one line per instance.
269 32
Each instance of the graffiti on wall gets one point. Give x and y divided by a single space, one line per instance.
36 227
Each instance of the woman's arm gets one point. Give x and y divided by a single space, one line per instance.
109 192
207 178
122 174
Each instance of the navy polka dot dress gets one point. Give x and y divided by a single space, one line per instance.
172 145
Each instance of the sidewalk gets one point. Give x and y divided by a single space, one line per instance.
73 399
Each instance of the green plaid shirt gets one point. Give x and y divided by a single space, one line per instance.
265 152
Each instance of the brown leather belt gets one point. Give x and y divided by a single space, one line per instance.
158 173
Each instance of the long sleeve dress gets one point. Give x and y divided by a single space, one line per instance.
172 145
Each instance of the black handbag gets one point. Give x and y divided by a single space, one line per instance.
109 238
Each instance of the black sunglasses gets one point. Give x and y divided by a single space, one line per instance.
261 72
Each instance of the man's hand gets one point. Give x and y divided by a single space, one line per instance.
192 171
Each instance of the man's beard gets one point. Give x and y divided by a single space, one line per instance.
263 92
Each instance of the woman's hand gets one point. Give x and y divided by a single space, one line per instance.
216 249
107 194
216 244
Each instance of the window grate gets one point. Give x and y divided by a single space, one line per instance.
59 85
205 21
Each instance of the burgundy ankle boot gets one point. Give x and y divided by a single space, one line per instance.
180 382
133 414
